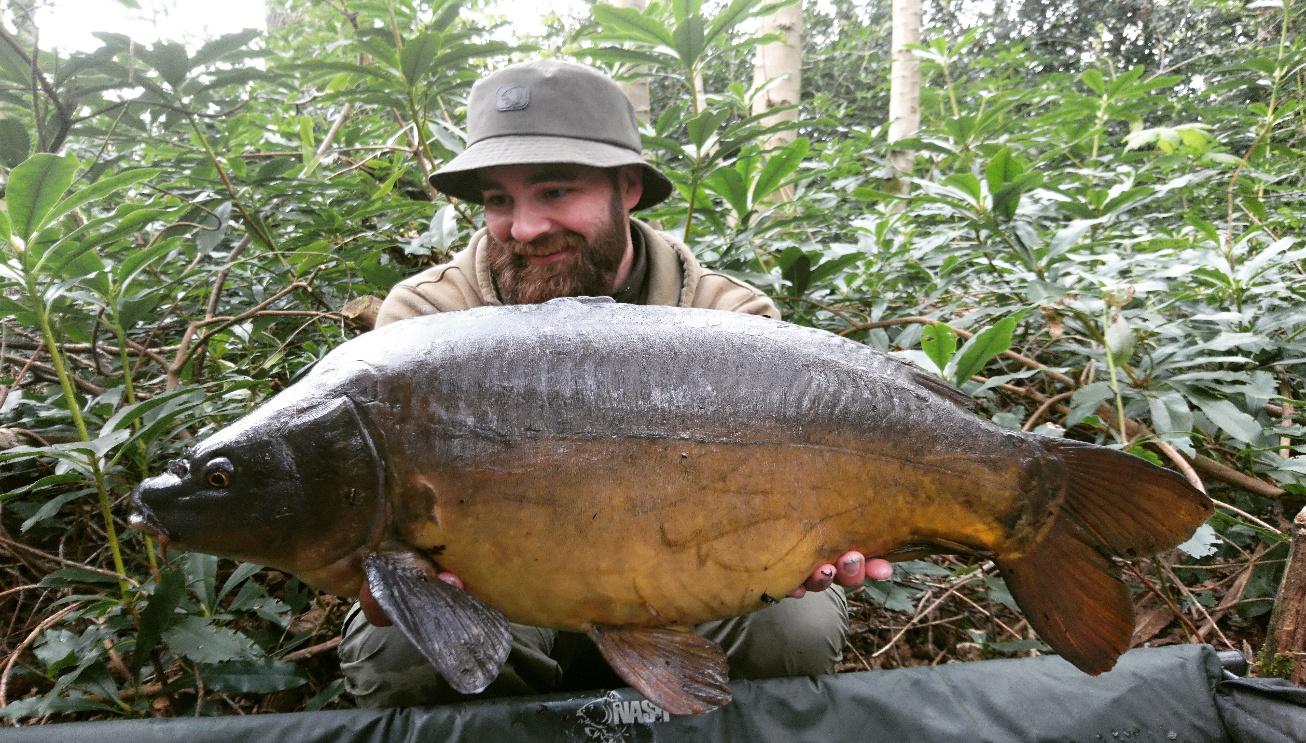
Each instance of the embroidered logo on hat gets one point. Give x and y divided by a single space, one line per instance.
512 98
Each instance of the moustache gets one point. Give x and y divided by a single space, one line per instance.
545 245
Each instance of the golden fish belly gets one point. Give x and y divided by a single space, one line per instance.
569 533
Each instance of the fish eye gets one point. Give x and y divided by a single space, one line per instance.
218 471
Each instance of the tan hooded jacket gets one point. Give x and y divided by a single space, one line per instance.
675 278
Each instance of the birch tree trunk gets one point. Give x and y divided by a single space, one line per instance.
782 63
636 90
904 90
1287 631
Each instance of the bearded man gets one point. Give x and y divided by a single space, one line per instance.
554 156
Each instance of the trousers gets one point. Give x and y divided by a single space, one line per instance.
795 637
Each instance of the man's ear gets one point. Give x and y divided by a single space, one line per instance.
630 179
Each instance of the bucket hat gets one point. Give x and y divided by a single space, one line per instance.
548 111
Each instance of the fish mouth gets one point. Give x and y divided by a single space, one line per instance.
143 519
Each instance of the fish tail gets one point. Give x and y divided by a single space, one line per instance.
1113 505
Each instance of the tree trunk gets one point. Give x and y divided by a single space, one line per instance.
636 90
1287 632
904 90
781 64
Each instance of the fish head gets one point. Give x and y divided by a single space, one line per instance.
297 487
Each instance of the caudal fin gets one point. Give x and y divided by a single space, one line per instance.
1115 506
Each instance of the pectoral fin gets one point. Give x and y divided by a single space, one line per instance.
465 640
672 667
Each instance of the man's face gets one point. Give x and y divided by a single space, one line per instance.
557 230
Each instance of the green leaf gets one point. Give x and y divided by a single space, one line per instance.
1003 168
966 184
799 273
200 640
702 127
51 507
201 577
632 24
1120 340
778 167
1230 419
15 143
226 44
158 615
101 189
254 677
326 696
633 57
939 343
982 347
238 576
34 188
1093 79
829 269
688 37
68 577
125 415
168 58
417 56
729 184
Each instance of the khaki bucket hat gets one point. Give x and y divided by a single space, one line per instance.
548 111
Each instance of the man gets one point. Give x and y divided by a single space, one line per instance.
554 155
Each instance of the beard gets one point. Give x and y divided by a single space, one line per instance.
587 270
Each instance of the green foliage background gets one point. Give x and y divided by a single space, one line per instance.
1101 239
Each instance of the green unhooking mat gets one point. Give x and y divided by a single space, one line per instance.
1178 693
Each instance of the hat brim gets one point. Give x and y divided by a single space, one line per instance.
458 177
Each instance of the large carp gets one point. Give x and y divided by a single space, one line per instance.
629 471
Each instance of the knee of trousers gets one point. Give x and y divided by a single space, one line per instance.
796 637
382 668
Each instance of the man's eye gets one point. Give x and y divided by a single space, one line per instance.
555 193
496 201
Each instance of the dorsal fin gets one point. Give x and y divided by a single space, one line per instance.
937 386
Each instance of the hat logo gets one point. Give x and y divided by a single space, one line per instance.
512 98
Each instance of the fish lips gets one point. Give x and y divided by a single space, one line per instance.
142 518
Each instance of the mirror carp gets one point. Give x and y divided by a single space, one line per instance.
631 471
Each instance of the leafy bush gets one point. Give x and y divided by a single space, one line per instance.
1109 252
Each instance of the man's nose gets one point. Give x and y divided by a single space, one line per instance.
529 222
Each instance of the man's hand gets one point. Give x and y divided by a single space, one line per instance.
376 615
851 569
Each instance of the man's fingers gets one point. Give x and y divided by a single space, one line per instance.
372 610
877 569
851 569
450 578
820 579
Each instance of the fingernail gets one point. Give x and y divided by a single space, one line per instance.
827 572
852 565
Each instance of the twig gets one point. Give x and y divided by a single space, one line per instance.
18 378
1174 608
48 372
312 650
47 623
922 612
70 563
1244 514
1193 600
1042 409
